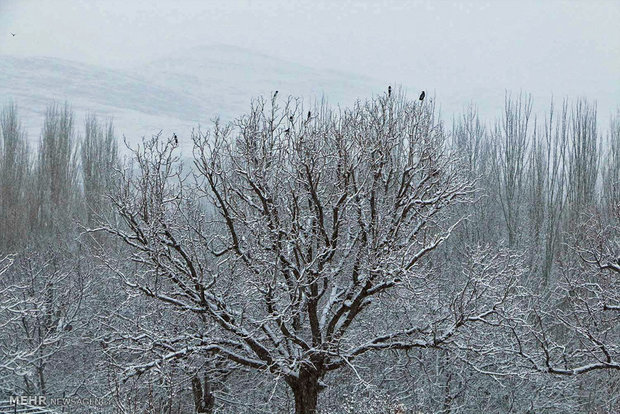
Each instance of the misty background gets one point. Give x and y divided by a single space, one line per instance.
455 251
179 64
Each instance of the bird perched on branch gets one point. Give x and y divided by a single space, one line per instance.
389 91
176 140
422 95
309 115
275 94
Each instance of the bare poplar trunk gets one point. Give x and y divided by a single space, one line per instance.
203 398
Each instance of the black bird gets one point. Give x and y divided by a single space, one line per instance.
287 130
309 115
389 91
290 118
422 95
275 94
176 140
12 34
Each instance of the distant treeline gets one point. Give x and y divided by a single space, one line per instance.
535 166
45 191
368 259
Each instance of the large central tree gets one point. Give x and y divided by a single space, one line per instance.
300 243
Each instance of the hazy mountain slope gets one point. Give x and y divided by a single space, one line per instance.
229 77
172 94
137 105
191 87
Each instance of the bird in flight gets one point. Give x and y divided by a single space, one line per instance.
12 34
422 95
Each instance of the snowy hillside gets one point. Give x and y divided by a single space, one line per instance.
136 105
248 74
175 93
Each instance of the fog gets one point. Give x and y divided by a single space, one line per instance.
461 51
271 207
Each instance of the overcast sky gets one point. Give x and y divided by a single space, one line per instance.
456 49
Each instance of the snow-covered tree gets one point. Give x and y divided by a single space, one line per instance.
301 243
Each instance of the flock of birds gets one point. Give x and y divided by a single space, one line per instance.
287 130
422 95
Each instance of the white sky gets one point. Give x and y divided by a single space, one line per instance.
459 50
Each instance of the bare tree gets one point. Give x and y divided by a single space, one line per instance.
302 236
611 170
584 152
473 145
512 138
99 160
39 306
14 179
352 260
54 202
547 184
567 330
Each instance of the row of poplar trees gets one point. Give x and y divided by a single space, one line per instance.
537 219
46 189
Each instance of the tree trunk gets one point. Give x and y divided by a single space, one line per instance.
203 398
306 390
